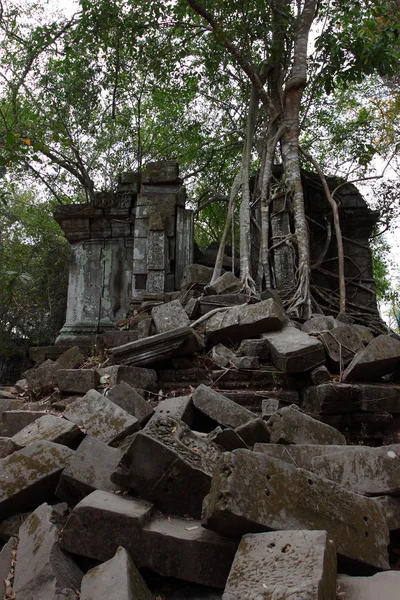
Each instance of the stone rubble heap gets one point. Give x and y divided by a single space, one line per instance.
207 459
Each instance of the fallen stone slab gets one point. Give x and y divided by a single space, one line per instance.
257 348
10 527
7 447
50 428
381 585
180 408
285 564
209 303
380 357
246 362
290 426
170 546
227 283
379 398
319 323
222 355
365 334
101 418
320 375
391 507
7 404
167 464
15 420
72 358
77 381
193 274
294 351
365 470
253 432
30 476
116 579
300 455
138 378
169 316
283 498
341 344
219 408
159 347
42 379
244 321
88 470
43 570
331 398
227 439
127 398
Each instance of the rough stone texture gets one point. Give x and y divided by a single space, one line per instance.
169 316
252 432
300 455
6 404
196 274
88 470
290 426
141 379
391 507
160 462
15 420
355 523
180 408
10 526
331 398
246 362
116 579
320 375
382 585
101 418
365 470
162 171
7 447
70 359
43 570
127 398
365 334
159 347
257 348
30 476
222 355
288 565
341 344
241 322
379 398
269 406
219 408
319 323
294 351
42 379
50 428
380 357
77 381
227 283
170 546
144 328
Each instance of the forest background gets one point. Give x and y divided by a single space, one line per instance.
228 88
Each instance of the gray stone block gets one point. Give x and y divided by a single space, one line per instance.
246 362
42 379
290 426
169 465
193 274
43 570
16 420
300 455
169 316
253 432
294 351
88 470
180 408
378 398
227 283
381 585
283 498
70 359
391 507
219 408
101 418
331 398
137 377
162 171
269 406
341 344
155 281
50 428
227 438
380 357
319 323
7 447
320 375
156 250
257 348
287 565
77 381
116 579
222 355
127 398
241 322
30 476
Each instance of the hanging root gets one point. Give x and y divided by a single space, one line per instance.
249 287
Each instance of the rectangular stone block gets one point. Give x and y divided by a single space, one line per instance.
50 428
101 418
30 476
169 316
77 381
162 171
137 377
287 565
127 398
294 351
331 398
219 408
299 455
379 398
290 426
283 498
15 420
156 250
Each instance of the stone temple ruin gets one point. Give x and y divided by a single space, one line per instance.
203 455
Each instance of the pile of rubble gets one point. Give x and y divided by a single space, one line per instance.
205 460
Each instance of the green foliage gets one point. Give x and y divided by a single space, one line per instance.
34 259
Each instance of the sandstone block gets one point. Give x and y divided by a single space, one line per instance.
341 344
70 359
29 476
391 507
180 408
196 274
380 585
101 418
42 379
227 438
331 398
137 377
246 362
15 420
169 316
300 455
257 348
116 579
284 565
319 323
222 355
379 398
50 428
127 398
290 426
253 432
77 381
227 283
284 497
380 357
43 570
294 351
7 447
219 408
